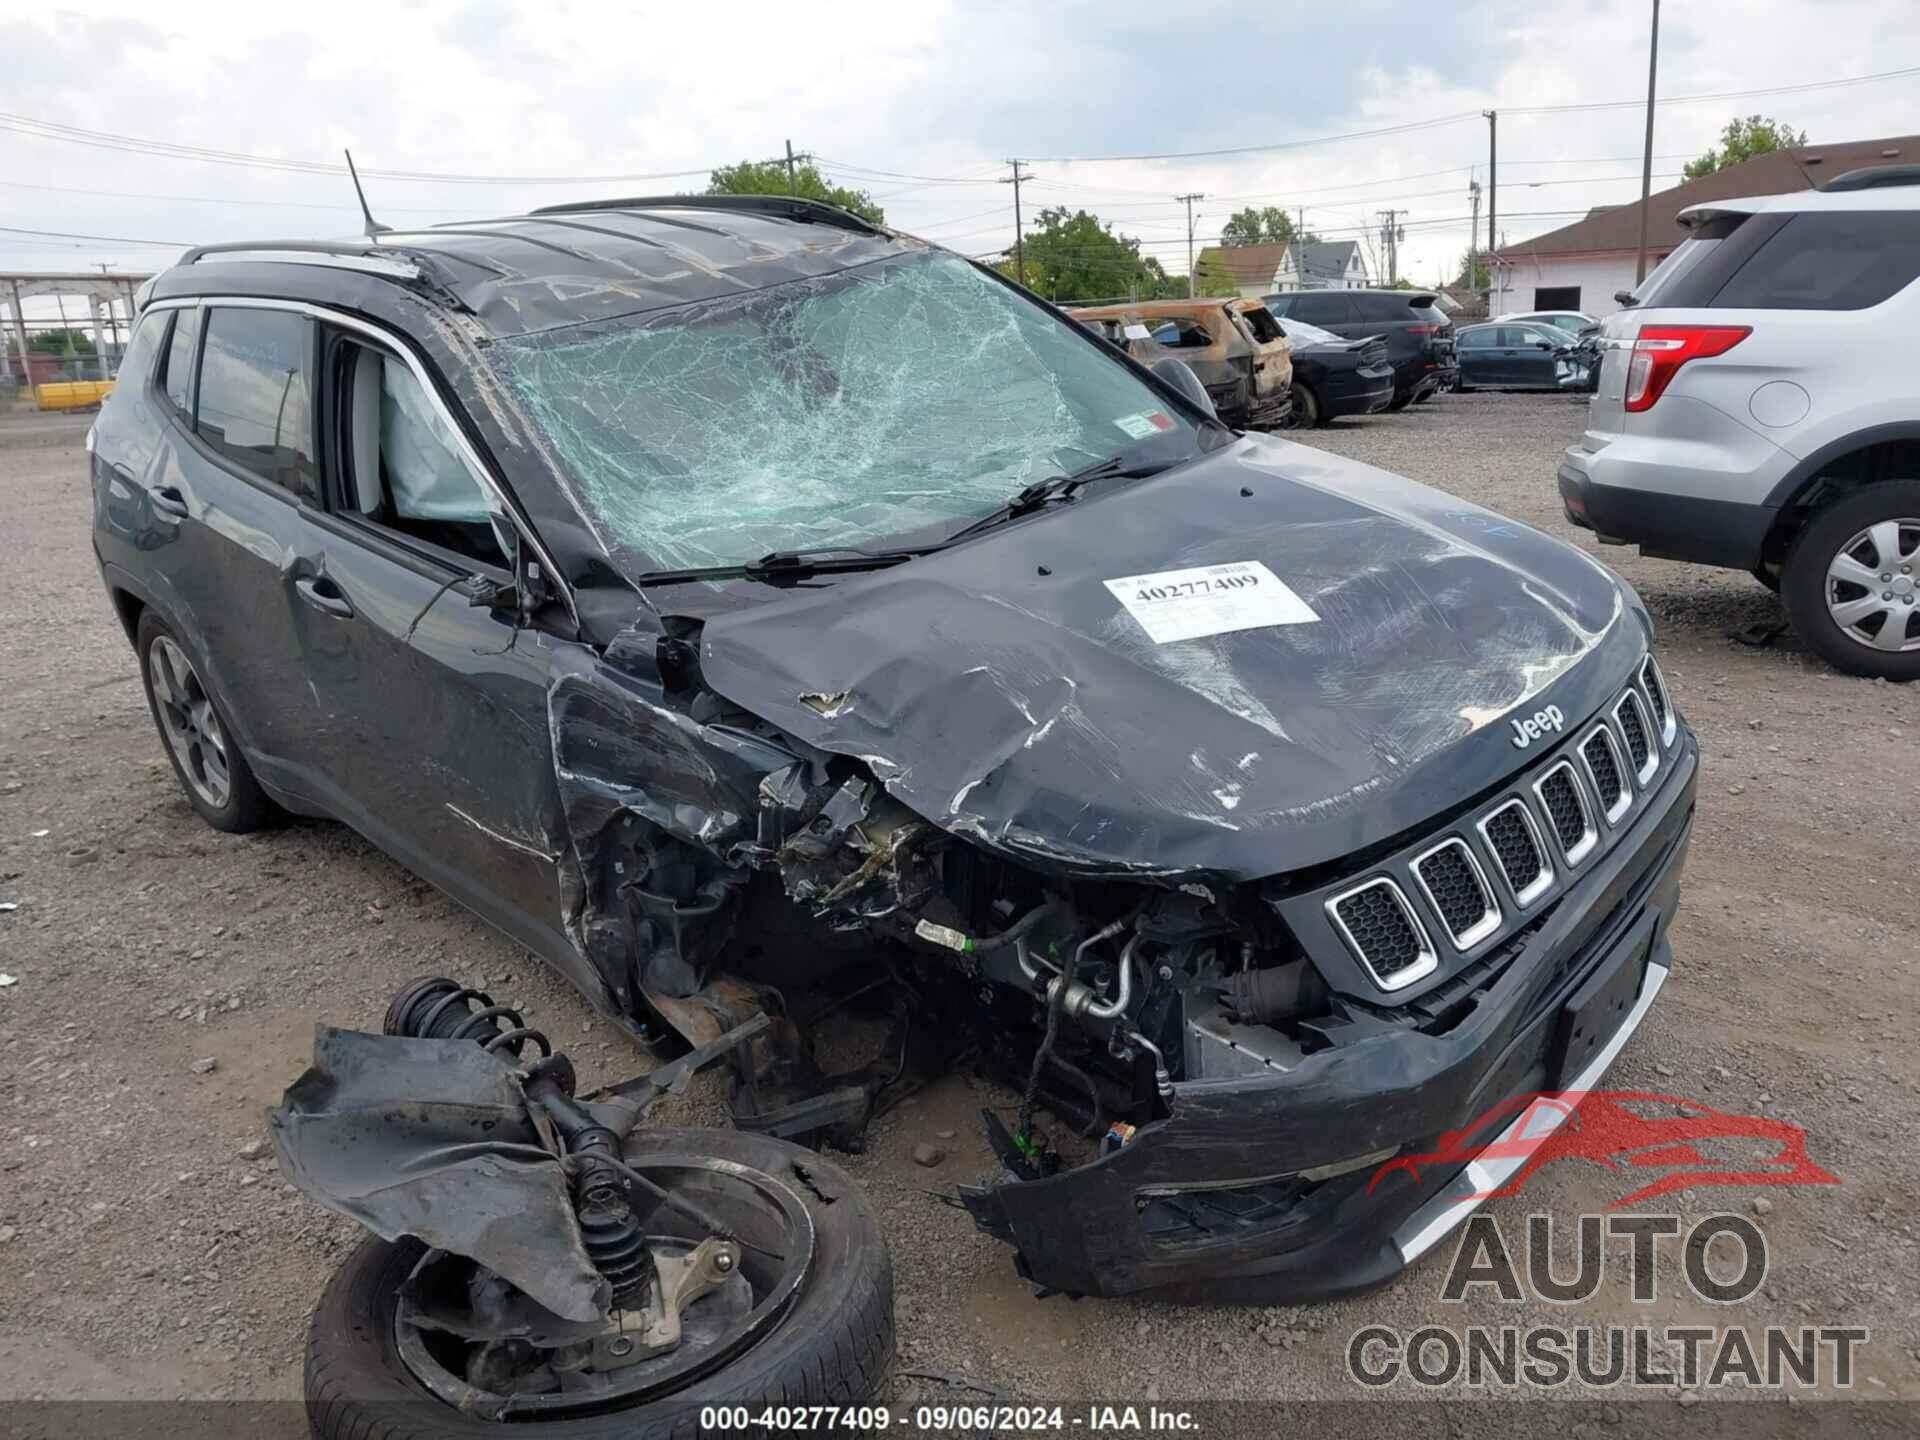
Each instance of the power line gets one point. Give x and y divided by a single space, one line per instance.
1402 129
106 239
139 145
1440 120
1718 95
236 200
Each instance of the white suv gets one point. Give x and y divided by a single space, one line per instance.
1759 407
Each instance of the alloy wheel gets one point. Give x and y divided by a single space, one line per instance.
188 720
1873 585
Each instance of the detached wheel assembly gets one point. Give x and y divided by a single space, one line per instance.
1852 583
734 1270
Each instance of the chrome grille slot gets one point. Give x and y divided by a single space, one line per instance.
1381 928
1633 726
1655 684
1458 891
1602 758
1565 803
1514 839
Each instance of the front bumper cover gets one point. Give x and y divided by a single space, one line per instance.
1265 1238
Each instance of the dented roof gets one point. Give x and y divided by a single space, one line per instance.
521 274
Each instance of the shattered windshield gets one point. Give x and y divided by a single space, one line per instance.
833 411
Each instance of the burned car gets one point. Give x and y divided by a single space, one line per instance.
730 599
1234 347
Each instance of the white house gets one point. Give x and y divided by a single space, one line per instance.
1322 265
1581 266
1258 270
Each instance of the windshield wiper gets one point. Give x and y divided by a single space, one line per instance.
1061 487
781 565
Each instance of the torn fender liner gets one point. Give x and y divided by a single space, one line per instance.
662 813
1001 690
431 1138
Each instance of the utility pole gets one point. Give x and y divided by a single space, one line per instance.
1493 200
793 187
1390 234
1188 199
1646 158
1019 245
1493 175
1473 233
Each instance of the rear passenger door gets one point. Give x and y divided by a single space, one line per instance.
427 701
208 507
1330 310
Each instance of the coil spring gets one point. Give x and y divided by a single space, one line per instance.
618 1249
436 1008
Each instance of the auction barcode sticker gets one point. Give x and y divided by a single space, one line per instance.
1210 600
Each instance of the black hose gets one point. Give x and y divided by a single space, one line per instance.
1056 1006
986 944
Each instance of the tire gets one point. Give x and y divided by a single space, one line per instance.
1399 403
194 730
832 1347
1767 577
1306 413
1843 529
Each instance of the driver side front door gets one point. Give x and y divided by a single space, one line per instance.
428 707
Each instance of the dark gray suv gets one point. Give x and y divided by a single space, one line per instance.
735 602
1418 334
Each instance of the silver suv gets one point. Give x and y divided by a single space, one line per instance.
1758 408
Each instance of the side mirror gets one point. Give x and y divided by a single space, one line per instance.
1180 376
1543 345
1624 299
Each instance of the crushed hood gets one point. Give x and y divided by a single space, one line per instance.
1003 691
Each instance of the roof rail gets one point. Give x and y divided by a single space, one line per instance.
1872 177
338 254
791 207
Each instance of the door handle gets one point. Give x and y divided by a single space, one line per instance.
321 593
169 501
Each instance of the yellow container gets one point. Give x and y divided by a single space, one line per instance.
72 394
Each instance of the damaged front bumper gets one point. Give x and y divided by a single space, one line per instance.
1264 1190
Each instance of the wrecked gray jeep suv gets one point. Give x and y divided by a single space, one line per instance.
754 611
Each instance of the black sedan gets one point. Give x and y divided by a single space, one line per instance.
1513 356
1333 375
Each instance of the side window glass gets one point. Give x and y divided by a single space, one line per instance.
181 349
256 395
1323 309
1842 260
403 468
142 350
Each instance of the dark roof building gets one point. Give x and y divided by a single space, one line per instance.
1579 266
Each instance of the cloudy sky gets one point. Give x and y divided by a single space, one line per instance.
920 104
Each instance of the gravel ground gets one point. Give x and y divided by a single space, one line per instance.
149 1249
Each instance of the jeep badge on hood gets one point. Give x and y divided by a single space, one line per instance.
1525 732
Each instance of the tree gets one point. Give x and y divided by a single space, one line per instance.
753 177
62 342
1472 274
1212 278
1742 140
1074 256
1257 226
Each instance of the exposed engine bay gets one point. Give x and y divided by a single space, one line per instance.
1092 994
